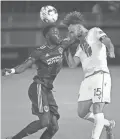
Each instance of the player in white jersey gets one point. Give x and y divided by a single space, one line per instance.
95 89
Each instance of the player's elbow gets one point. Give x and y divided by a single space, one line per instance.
109 44
19 70
22 68
107 41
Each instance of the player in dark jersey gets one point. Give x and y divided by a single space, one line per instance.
48 59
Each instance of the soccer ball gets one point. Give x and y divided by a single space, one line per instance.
48 14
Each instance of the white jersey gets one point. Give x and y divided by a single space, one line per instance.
92 52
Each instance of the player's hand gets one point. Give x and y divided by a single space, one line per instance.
6 72
111 54
76 39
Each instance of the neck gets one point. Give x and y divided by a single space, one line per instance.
50 45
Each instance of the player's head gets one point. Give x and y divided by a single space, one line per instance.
75 23
52 34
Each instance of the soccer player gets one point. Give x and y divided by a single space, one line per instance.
48 59
92 52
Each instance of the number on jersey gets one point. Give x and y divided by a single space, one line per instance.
86 48
98 92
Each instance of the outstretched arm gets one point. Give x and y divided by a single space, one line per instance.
19 69
25 65
72 62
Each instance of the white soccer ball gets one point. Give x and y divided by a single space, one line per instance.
48 14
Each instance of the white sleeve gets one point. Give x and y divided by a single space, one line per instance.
100 34
78 51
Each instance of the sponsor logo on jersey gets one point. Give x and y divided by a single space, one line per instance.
54 59
46 108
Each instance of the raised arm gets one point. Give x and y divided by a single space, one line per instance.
72 61
106 41
25 65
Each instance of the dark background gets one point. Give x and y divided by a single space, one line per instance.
21 25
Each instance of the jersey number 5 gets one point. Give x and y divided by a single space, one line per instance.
98 92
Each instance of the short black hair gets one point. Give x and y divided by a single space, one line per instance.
47 28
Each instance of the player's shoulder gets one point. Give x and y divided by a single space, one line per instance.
42 47
96 29
94 32
38 51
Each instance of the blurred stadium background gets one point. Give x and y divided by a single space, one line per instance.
21 32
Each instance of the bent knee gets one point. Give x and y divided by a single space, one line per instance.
45 121
98 107
84 108
82 113
55 129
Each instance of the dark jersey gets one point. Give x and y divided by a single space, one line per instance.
49 62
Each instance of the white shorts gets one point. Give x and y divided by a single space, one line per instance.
96 87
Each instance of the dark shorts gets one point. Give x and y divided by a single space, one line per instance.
42 100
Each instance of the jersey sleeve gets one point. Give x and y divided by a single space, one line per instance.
78 51
35 54
100 34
